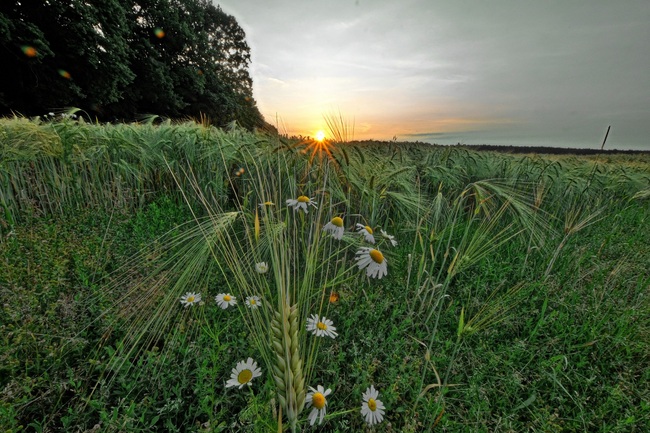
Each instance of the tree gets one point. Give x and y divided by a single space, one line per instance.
62 53
122 58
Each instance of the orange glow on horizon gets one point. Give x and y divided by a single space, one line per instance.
386 128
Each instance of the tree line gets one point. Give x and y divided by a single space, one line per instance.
120 59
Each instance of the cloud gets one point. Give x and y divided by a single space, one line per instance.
503 70
276 82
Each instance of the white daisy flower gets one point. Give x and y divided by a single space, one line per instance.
366 231
244 373
335 228
225 300
321 328
371 408
253 302
266 204
373 260
301 203
317 398
391 238
261 267
190 299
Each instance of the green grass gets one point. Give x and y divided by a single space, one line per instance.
569 351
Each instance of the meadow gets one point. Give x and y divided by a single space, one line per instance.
475 291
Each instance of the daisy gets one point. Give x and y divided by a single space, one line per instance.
335 228
324 327
261 267
244 373
372 408
266 204
253 302
366 231
391 238
190 299
225 300
317 398
373 260
301 203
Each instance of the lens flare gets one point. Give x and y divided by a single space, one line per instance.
29 51
160 33
65 74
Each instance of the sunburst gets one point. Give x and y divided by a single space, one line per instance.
319 145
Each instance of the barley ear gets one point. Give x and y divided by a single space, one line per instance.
287 371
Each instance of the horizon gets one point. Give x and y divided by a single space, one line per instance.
509 74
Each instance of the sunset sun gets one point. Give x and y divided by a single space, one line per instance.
318 145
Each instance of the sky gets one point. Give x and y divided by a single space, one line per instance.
504 72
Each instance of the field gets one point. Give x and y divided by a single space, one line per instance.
515 300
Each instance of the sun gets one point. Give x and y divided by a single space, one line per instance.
317 145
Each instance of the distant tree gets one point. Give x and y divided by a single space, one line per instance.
123 58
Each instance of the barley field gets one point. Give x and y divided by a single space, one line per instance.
177 277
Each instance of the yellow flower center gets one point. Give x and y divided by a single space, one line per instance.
190 299
321 326
303 199
337 221
377 256
368 229
268 203
227 298
372 404
253 302
318 400
245 376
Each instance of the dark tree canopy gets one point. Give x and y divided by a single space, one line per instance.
118 59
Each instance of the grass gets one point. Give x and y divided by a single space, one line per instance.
517 304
